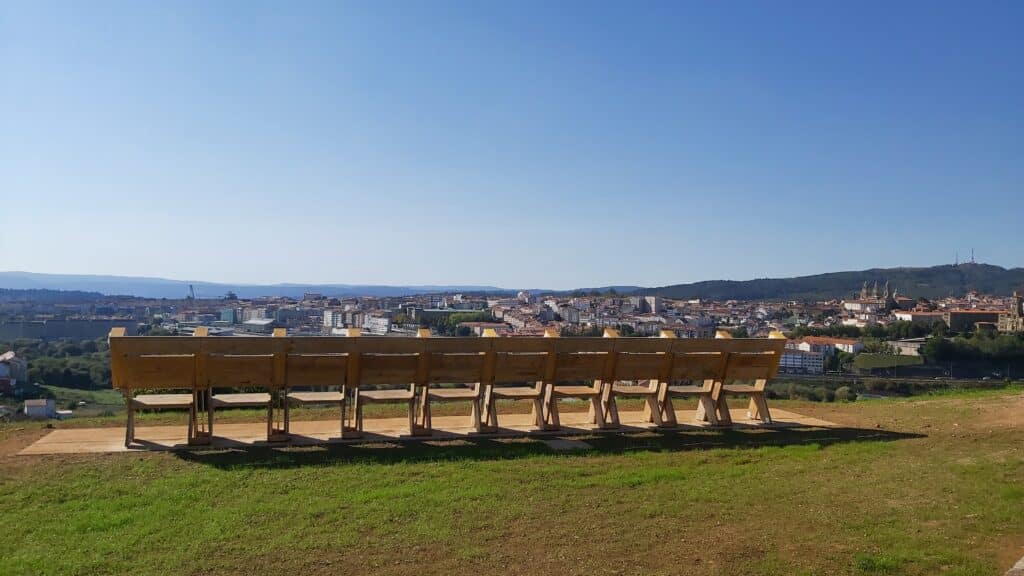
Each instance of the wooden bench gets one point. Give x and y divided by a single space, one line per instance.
209 373
520 375
754 366
573 368
324 374
173 376
464 365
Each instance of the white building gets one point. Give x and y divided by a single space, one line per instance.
802 361
42 408
334 319
377 324
12 370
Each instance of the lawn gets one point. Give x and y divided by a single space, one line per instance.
869 361
924 485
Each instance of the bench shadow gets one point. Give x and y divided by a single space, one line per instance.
385 451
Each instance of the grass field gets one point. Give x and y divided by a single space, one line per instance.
869 361
931 485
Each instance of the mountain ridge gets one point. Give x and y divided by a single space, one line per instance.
928 282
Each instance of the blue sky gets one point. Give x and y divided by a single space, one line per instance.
542 144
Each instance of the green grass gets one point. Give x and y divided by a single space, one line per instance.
914 486
869 361
108 397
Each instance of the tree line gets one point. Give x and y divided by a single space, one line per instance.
82 364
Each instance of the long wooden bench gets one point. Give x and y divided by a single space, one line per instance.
207 373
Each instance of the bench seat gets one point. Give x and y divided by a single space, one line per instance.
163 401
575 392
453 394
246 399
316 397
741 389
513 392
687 390
404 395
633 390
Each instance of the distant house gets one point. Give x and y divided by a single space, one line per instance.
802 361
41 408
12 371
909 346
827 345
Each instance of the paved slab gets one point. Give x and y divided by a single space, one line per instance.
1017 570
111 439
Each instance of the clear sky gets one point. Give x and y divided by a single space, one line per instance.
518 144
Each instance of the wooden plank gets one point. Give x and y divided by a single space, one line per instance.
157 372
240 371
317 369
136 345
751 366
388 368
639 366
519 367
456 368
580 366
698 366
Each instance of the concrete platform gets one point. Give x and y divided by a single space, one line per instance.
101 440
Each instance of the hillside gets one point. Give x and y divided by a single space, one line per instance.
932 282
145 287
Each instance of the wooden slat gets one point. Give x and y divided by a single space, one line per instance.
240 371
157 372
580 366
518 367
388 368
698 366
317 369
644 366
755 366
456 368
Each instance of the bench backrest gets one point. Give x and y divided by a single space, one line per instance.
316 370
239 371
200 362
751 365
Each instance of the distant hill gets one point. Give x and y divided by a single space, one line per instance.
932 282
165 288
47 296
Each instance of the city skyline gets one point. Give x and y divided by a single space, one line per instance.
512 145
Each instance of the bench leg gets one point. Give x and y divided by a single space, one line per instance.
287 416
474 415
665 407
610 407
652 410
129 429
209 414
707 410
537 412
357 413
758 409
721 406
488 414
